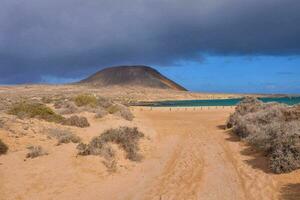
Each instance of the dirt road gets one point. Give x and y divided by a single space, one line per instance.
187 155
203 165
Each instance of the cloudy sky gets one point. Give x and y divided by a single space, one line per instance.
206 45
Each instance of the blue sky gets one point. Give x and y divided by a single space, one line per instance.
246 74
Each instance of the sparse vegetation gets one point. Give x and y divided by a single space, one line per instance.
86 100
76 121
271 127
3 147
63 136
112 109
100 112
121 110
35 151
127 139
66 107
35 110
46 100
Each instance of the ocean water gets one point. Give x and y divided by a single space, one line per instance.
223 102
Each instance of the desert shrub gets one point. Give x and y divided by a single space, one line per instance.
292 113
247 105
66 107
76 121
103 150
273 128
112 109
121 110
35 151
126 113
3 147
63 136
127 138
46 100
100 112
111 165
86 100
103 102
2 123
35 110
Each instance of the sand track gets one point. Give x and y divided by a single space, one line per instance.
202 165
187 156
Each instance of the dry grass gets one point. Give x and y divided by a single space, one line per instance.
35 110
77 121
271 127
127 139
86 100
63 136
35 151
112 109
3 147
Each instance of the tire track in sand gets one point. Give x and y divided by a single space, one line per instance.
202 165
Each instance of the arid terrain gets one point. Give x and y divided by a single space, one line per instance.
186 153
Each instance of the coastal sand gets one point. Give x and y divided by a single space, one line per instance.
187 155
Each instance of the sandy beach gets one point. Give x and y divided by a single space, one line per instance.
187 155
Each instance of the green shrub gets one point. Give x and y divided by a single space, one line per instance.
3 147
86 100
35 110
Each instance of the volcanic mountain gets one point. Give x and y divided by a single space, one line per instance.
137 75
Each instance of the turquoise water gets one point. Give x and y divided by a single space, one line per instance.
223 102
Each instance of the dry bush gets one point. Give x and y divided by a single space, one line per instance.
111 165
247 105
35 151
112 109
127 138
121 110
273 128
2 123
46 100
126 113
35 110
86 100
103 102
100 112
105 151
292 113
66 107
3 147
63 136
76 121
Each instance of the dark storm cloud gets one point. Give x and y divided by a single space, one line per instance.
67 37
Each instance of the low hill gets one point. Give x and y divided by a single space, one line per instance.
138 75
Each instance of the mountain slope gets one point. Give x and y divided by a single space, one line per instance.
137 75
